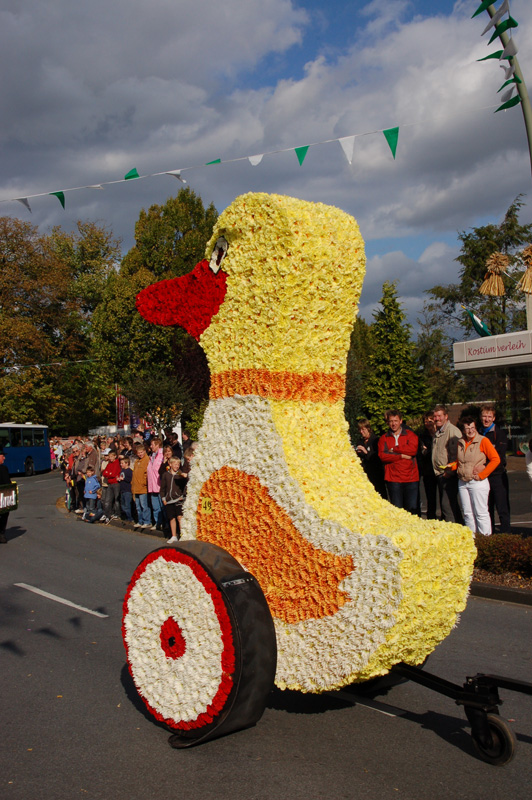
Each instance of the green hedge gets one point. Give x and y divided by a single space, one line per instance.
504 552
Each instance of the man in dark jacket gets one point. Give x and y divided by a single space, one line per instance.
397 451
424 460
5 480
499 485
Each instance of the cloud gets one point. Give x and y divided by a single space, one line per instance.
91 90
436 265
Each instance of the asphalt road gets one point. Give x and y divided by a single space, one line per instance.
72 725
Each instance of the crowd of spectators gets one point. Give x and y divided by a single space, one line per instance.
142 479
139 479
463 468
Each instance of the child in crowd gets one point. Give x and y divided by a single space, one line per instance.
172 497
125 478
98 514
92 484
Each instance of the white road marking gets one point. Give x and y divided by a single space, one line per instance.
374 705
60 600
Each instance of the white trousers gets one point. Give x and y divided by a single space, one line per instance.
474 499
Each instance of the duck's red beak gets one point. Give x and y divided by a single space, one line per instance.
190 301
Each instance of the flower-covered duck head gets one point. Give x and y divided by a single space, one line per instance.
278 288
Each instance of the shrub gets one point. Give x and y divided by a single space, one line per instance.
505 552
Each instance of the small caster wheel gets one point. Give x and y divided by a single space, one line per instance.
503 744
200 641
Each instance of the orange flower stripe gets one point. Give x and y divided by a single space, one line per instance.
315 386
236 512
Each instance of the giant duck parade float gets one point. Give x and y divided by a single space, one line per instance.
291 569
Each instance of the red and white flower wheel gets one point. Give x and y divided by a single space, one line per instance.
182 637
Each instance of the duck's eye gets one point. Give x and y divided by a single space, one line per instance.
218 254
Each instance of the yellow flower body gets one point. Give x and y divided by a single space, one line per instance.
354 584
291 290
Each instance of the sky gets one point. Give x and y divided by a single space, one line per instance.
91 90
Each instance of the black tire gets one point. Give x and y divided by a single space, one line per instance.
29 469
503 742
239 658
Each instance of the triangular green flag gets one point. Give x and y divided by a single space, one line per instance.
216 161
496 54
513 101
301 152
483 7
392 135
60 196
131 174
515 79
480 327
504 26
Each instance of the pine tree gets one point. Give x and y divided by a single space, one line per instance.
357 373
395 379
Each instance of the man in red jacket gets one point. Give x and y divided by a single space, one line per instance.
397 451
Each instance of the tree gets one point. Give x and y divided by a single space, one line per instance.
169 241
49 287
433 352
357 374
501 314
158 397
394 378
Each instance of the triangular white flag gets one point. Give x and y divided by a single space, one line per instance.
96 186
348 145
255 160
508 71
176 173
510 49
506 96
504 9
24 201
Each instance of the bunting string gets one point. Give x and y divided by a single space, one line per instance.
503 27
347 143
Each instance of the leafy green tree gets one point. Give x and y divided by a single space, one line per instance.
157 396
433 352
501 314
49 287
169 241
394 378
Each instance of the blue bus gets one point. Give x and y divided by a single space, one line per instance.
25 447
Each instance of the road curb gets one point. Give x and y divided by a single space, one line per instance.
120 525
502 593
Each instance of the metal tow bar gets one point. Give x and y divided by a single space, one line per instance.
493 738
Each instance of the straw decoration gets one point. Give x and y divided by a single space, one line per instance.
497 264
525 284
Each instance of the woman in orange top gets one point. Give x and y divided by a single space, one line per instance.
476 459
